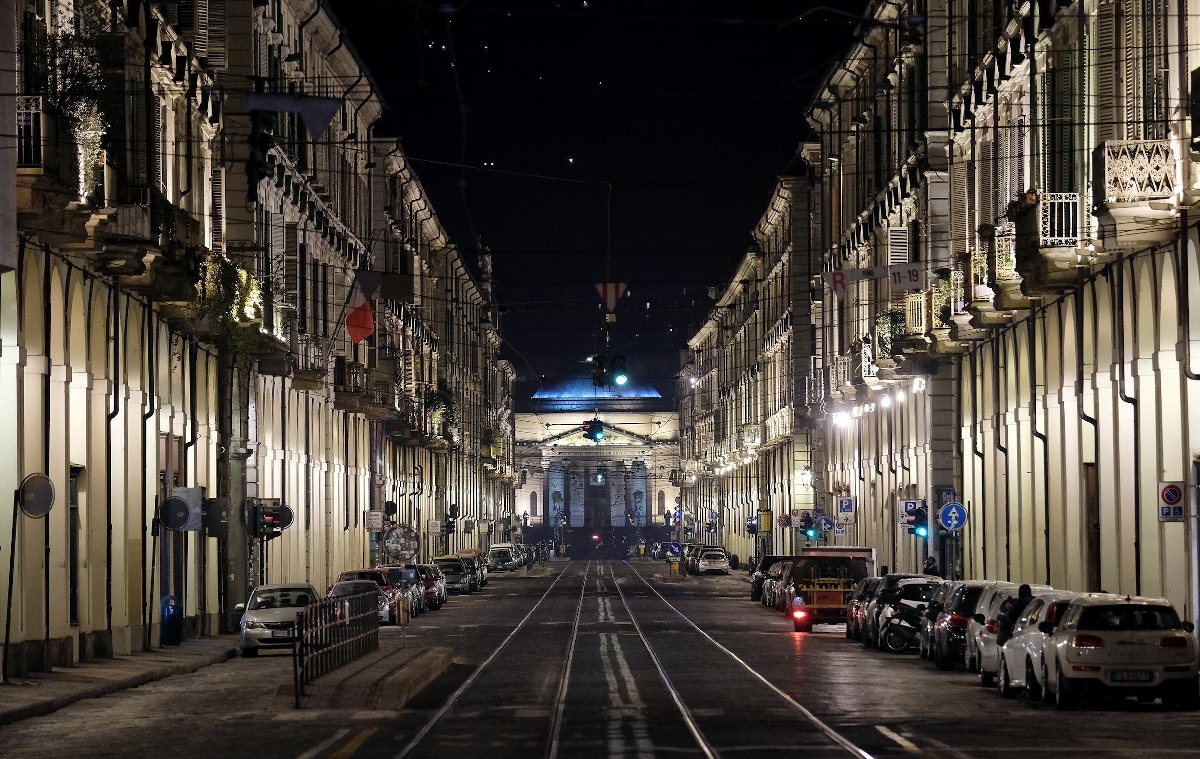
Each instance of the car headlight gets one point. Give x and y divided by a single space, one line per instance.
254 624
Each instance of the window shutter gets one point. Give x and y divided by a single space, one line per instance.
986 166
216 33
1108 74
292 273
1017 162
156 151
1130 20
958 208
897 241
218 209
142 146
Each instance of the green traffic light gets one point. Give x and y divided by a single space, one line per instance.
922 532
812 533
621 379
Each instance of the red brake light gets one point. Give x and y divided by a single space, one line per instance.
958 621
992 627
1088 641
799 614
1175 641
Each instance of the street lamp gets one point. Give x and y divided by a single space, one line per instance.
806 478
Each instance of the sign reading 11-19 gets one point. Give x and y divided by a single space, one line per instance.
906 277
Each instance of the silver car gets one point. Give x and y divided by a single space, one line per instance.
269 617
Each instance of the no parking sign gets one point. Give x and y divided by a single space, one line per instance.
1170 501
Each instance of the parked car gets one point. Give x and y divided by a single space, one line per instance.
949 642
410 580
655 550
269 616
885 595
460 578
712 561
929 618
857 608
773 586
985 627
1109 645
759 575
913 594
390 584
1021 662
502 560
699 552
343 590
475 559
976 627
435 585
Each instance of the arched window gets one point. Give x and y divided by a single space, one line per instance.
662 502
533 504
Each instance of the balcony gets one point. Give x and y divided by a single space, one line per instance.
382 400
1048 240
47 189
349 384
1133 186
311 365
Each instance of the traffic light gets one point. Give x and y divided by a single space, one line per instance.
253 514
600 376
274 518
259 143
594 430
751 526
919 522
616 367
451 525
807 526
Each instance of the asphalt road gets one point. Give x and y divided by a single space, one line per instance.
655 669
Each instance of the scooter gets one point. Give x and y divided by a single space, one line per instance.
903 628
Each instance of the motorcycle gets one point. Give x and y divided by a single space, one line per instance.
903 628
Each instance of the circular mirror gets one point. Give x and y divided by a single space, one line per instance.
37 495
285 517
174 513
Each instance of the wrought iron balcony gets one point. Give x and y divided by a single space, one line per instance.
311 363
1048 240
915 313
1132 171
349 384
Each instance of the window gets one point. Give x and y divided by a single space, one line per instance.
1128 617
73 545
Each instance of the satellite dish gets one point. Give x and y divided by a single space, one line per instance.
285 516
174 513
36 495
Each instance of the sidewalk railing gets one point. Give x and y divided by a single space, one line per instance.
331 634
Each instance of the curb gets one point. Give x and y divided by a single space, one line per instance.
410 680
50 705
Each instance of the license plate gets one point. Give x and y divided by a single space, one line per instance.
281 633
1132 676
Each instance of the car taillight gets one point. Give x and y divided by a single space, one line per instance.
1175 641
992 627
958 621
799 614
1088 641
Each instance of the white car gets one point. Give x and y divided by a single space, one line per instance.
713 561
1021 665
1110 645
982 650
269 616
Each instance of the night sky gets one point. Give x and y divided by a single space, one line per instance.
689 109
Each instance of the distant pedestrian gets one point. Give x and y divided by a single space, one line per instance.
529 561
1010 612
931 567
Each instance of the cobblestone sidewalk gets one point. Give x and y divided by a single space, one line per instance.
45 692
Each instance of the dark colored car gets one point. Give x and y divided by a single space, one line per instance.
459 578
759 575
929 617
886 595
475 567
948 643
863 593
435 585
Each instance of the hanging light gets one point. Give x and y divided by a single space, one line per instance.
806 478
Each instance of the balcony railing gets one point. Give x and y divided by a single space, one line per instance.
1006 255
29 132
349 377
914 314
1058 214
839 373
1131 171
779 424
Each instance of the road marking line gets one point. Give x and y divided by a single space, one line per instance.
561 700
352 746
705 747
316 750
900 740
833 735
450 702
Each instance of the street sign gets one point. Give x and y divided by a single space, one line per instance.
434 527
839 528
673 549
825 525
845 510
373 521
953 516
1170 502
785 520
764 521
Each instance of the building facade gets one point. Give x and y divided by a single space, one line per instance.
178 266
1021 171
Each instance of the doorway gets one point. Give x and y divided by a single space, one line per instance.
1091 506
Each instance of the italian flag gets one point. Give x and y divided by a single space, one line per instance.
360 318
